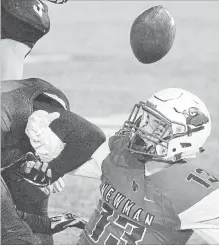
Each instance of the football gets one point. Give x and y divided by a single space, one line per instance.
152 34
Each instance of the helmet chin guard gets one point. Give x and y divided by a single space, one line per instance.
172 125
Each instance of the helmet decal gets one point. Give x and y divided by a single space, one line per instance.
195 117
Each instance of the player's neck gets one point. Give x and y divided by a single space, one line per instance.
12 59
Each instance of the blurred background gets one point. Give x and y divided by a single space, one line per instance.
87 54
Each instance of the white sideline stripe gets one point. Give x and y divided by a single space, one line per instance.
48 58
112 121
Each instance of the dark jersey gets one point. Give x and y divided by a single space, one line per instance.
17 104
18 101
13 229
135 209
25 21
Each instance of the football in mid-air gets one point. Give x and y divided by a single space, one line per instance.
152 34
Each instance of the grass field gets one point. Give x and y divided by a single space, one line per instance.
87 55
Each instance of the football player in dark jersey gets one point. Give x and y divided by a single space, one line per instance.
150 192
23 24
28 100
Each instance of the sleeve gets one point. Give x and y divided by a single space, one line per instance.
81 138
203 215
209 235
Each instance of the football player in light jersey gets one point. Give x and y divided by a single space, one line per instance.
150 192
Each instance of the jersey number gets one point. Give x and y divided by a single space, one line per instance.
203 178
132 233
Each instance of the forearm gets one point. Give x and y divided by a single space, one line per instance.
80 137
38 224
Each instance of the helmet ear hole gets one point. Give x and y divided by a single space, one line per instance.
185 145
201 150
174 149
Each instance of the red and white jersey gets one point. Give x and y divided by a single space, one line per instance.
194 193
134 209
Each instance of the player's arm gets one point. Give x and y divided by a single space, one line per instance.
92 168
203 215
203 218
63 139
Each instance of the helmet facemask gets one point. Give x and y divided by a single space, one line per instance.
150 131
172 125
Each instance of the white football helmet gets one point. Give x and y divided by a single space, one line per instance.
172 125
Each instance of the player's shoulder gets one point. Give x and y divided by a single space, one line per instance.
10 85
184 171
185 184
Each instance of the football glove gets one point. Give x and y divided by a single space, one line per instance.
55 187
29 168
36 172
65 220
16 171
63 139
45 142
39 173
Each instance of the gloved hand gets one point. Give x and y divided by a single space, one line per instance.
65 220
55 187
38 173
45 142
